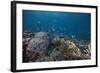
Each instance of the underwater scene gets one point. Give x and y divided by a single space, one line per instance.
55 36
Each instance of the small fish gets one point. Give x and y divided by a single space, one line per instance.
53 29
73 36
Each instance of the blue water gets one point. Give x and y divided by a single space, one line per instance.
66 23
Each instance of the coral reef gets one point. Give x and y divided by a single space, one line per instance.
41 47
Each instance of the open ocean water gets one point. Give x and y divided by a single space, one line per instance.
77 25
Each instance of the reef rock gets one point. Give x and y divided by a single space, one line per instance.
87 52
56 54
44 58
71 51
39 43
55 41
